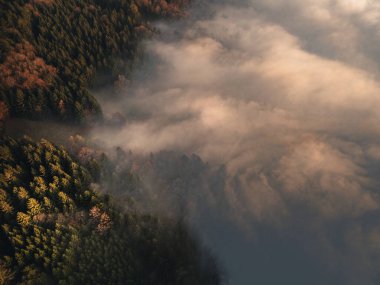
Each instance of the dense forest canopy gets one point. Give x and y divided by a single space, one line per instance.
56 230
51 51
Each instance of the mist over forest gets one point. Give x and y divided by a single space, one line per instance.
190 142
283 96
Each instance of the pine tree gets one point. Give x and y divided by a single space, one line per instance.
23 219
34 207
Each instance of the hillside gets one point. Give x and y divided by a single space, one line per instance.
56 230
52 51
56 224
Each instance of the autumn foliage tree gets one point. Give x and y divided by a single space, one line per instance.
171 8
23 69
6 275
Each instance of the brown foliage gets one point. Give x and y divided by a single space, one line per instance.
86 154
6 275
165 7
74 219
101 219
4 112
104 223
175 8
95 213
23 69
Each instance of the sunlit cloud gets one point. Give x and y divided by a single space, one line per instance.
286 95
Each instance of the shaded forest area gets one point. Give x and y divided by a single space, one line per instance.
57 230
52 50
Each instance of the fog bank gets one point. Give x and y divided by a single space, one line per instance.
285 94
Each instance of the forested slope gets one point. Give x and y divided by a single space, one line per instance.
51 51
56 230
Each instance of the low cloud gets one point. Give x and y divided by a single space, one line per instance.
285 94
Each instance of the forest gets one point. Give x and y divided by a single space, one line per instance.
52 51
54 223
56 227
